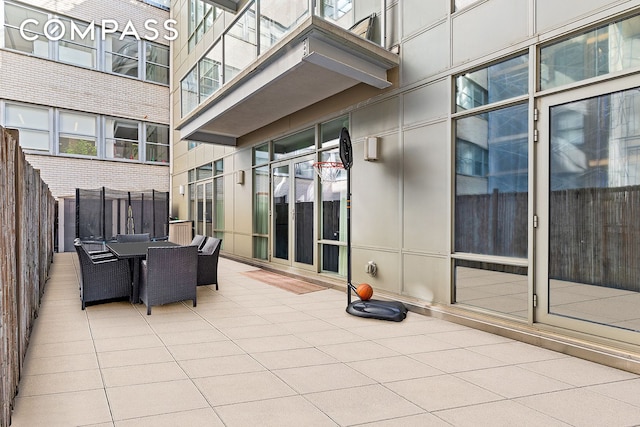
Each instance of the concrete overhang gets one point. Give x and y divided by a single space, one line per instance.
314 62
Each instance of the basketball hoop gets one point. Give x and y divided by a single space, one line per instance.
328 171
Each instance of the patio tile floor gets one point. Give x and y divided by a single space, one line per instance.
251 354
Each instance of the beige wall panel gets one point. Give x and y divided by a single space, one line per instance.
387 277
239 210
426 103
491 26
241 245
425 55
426 189
418 14
425 278
243 160
375 196
553 13
375 119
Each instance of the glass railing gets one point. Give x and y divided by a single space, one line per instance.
252 33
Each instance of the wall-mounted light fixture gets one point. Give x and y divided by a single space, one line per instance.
181 190
371 148
240 177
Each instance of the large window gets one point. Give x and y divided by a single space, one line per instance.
603 50
121 137
33 124
86 134
77 134
122 55
35 43
336 9
77 50
201 18
157 143
82 43
157 62
491 186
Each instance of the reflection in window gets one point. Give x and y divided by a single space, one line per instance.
201 18
299 143
204 171
330 131
157 143
495 83
336 9
189 92
122 55
210 73
157 62
261 154
594 197
14 16
496 287
334 217
77 134
261 212
121 138
492 183
80 50
607 49
33 124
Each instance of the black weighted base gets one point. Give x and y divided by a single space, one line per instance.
376 309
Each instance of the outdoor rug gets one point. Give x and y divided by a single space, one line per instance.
287 283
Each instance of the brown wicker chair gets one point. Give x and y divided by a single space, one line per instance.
208 262
102 279
169 274
127 238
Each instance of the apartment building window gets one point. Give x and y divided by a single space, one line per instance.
81 44
77 134
121 55
33 124
157 143
336 9
189 92
218 199
597 52
157 62
86 134
121 139
491 180
77 50
201 18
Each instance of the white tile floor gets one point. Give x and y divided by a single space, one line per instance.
254 355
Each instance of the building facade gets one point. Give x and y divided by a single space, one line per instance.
87 86
496 143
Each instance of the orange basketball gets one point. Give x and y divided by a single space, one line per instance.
364 291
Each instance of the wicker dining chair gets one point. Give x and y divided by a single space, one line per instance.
128 238
208 262
198 241
169 274
102 279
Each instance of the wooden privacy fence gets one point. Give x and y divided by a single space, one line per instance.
594 233
27 215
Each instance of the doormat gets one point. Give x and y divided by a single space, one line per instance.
283 282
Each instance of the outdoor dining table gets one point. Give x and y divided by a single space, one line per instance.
135 252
